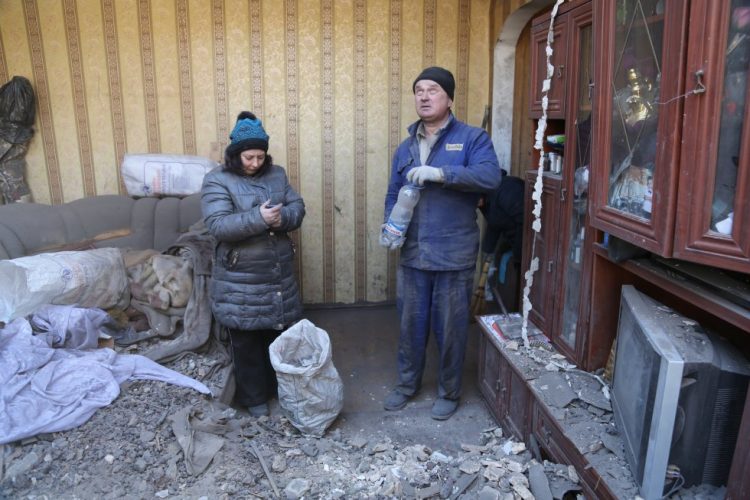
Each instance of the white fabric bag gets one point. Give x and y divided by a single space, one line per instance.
90 278
310 390
164 175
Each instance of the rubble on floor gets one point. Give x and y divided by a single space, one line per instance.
131 449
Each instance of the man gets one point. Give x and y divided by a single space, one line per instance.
503 211
455 163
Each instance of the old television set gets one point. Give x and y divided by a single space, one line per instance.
678 394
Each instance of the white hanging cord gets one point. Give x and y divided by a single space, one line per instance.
536 226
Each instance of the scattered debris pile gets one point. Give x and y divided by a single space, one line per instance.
165 441
160 440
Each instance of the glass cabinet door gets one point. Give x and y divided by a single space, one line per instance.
578 160
635 82
713 210
638 111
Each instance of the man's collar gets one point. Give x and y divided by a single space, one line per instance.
421 129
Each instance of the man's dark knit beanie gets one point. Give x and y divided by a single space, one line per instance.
439 75
248 133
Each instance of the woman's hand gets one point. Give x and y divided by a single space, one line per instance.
271 214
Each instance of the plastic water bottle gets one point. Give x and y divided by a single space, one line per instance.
398 220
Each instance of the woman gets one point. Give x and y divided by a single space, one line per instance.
249 208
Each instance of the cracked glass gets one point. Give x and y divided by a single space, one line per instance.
639 30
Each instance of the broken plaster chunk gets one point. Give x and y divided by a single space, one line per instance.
440 457
375 476
472 448
514 466
489 493
427 492
595 446
523 492
279 463
378 448
492 463
493 473
572 474
418 452
513 447
358 442
470 467
110 459
512 345
518 479
551 367
296 488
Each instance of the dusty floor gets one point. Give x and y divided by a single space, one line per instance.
130 449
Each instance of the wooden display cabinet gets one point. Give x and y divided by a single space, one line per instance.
562 280
672 152
507 395
544 247
715 156
556 94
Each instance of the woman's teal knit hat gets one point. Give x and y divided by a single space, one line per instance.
248 133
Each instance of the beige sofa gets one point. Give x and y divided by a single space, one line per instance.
95 222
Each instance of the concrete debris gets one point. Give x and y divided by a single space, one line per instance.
538 483
296 488
572 474
129 450
470 467
278 463
489 493
493 473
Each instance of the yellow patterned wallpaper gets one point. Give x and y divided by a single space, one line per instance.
331 80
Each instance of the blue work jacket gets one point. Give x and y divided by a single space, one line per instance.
443 234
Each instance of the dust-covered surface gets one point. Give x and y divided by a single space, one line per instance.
140 447
130 449
579 401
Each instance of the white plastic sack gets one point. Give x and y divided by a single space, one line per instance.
91 278
310 390
159 174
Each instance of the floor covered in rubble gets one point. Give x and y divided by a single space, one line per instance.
132 448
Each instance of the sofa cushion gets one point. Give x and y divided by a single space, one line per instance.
95 222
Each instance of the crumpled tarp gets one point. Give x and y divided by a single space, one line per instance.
200 439
74 327
43 389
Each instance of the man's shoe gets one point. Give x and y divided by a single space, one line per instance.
395 400
260 410
443 409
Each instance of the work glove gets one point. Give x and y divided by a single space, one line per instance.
389 240
420 175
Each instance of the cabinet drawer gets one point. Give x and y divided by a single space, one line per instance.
490 383
554 443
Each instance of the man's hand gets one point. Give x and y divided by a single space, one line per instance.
271 214
388 240
420 175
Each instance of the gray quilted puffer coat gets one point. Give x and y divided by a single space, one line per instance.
253 286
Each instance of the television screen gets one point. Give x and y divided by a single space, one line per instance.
678 393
